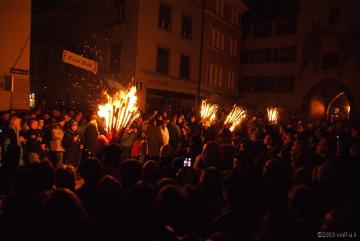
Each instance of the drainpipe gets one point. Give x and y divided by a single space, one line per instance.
197 97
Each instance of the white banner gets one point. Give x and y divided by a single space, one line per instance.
79 61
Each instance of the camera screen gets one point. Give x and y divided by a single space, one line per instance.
187 162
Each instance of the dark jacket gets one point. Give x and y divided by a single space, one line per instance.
72 147
92 145
34 141
175 135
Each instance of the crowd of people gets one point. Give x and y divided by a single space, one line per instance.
173 176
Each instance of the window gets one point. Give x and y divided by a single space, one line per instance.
217 40
244 58
219 8
187 27
267 83
285 83
210 74
285 28
165 17
284 55
262 30
232 47
246 31
120 10
260 56
231 80
162 63
184 67
214 76
334 16
235 17
331 61
115 58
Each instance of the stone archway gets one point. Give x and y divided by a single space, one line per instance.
328 99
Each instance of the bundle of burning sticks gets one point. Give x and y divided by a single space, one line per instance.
120 111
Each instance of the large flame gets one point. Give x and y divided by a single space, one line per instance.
235 117
273 115
208 111
120 110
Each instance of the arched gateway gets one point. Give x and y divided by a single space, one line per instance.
328 99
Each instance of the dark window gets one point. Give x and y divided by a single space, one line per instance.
284 55
185 67
285 28
244 58
285 83
264 84
260 56
267 83
115 58
334 16
246 31
331 61
246 83
187 27
120 10
262 30
162 63
165 17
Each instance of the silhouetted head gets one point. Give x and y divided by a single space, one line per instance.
276 225
302 201
130 172
65 177
63 217
151 171
170 209
167 151
42 176
90 170
211 154
112 154
340 220
107 194
211 181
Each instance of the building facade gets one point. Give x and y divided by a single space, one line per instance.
221 50
305 63
15 19
154 45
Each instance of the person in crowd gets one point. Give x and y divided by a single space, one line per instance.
154 140
164 132
34 139
65 177
73 145
12 145
90 171
174 133
91 138
127 141
56 148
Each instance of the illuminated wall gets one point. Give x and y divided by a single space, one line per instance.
15 18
